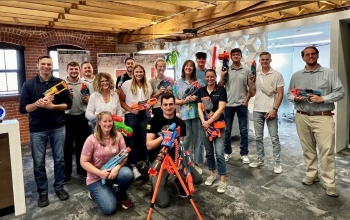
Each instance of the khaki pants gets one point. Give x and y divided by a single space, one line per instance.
318 130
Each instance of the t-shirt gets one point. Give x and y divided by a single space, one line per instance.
126 77
157 124
101 154
200 74
219 94
78 106
154 84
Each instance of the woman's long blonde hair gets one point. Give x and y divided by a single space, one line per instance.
97 81
133 86
98 131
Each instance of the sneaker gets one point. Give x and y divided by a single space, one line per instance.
82 175
227 156
245 159
309 180
126 204
210 179
257 163
221 187
331 191
66 180
136 172
43 200
277 168
199 170
62 194
90 196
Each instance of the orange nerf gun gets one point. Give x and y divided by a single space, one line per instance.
214 129
144 105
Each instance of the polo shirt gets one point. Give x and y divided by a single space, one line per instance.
217 95
237 85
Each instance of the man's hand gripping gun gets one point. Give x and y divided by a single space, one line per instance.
84 90
225 56
169 140
192 90
144 105
214 128
56 89
119 124
304 93
167 81
114 161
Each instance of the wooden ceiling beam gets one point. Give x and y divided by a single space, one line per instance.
155 5
312 6
82 23
274 15
5 9
292 11
32 6
187 4
21 21
50 3
85 27
12 15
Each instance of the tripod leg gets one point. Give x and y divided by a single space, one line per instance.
172 164
162 168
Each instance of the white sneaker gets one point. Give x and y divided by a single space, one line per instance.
257 163
210 179
136 172
199 170
245 159
221 187
227 156
277 168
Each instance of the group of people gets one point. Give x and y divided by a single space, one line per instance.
86 121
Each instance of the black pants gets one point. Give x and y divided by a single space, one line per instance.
77 130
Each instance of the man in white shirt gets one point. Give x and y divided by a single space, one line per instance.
268 88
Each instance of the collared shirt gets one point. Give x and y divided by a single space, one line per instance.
89 83
200 74
216 96
237 85
78 106
322 79
42 80
188 110
263 102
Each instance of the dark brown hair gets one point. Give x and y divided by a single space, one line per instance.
309 47
44 57
193 74
73 64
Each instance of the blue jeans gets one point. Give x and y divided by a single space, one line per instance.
272 125
242 113
138 123
194 134
38 143
105 195
93 125
216 147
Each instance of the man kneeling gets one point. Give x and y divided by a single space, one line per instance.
154 126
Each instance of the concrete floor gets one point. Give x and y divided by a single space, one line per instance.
252 193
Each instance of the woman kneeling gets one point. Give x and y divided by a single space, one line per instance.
98 149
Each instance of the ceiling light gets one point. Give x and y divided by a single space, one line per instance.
297 35
155 46
300 44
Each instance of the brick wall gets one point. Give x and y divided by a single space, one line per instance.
36 40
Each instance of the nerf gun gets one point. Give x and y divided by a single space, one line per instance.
144 105
169 139
121 81
56 89
214 129
125 130
253 69
185 159
167 81
192 90
114 161
84 90
225 56
304 93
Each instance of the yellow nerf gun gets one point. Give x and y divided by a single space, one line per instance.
56 89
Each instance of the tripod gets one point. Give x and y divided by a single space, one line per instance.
168 163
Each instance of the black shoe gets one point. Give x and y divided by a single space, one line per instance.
66 180
62 194
82 174
43 200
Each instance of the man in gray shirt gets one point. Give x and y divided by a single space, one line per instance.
238 98
314 121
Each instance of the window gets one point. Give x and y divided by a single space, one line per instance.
12 69
52 51
170 72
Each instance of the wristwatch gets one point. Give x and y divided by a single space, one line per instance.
276 109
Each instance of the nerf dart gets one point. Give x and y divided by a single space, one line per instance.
84 90
114 161
167 81
56 89
192 90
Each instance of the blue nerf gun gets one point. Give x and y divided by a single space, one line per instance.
84 90
186 164
304 92
165 82
192 90
169 138
114 161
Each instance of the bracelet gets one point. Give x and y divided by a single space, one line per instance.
275 109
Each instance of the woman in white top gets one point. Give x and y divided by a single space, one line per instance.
103 99
133 91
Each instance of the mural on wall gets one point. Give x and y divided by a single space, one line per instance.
251 45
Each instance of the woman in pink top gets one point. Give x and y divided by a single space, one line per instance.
98 149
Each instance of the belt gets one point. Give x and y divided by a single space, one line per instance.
326 113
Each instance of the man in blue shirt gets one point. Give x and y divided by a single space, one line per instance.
46 122
201 59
